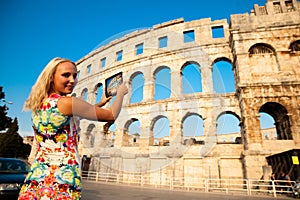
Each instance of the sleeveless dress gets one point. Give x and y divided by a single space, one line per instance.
55 172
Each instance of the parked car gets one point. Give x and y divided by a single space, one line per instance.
12 175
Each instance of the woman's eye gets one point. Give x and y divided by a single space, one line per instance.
66 75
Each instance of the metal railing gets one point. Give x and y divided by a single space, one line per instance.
239 186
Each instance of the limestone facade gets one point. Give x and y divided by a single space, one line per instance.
263 48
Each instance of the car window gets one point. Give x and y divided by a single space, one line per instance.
13 165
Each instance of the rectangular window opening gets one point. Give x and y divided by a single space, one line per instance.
139 49
217 31
78 74
189 36
277 8
289 6
163 42
89 69
103 62
119 55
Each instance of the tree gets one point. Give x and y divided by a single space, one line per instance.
5 121
11 143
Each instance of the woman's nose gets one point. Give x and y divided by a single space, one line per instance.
72 79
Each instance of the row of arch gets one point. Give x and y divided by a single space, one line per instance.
191 81
263 48
191 77
192 124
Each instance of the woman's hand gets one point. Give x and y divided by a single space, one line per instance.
104 100
122 89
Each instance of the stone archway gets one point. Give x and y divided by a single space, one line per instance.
281 118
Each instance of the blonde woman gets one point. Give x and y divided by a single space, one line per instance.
55 171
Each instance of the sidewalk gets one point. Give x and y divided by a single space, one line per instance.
95 190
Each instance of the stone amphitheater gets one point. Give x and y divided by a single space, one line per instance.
262 48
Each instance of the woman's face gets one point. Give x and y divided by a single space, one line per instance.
65 78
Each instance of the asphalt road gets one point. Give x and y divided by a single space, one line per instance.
101 191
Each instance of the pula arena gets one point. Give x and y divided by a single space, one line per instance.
262 49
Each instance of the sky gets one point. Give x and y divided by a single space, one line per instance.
32 32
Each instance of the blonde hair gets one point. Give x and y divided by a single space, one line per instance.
42 87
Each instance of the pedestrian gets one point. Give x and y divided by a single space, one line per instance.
272 181
55 172
285 181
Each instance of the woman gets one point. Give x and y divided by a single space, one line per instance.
55 172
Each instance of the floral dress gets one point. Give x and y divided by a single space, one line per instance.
55 172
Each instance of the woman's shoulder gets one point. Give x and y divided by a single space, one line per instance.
64 105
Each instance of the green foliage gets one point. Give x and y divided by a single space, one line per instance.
2 95
5 121
11 143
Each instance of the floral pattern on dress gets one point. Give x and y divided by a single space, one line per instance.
55 172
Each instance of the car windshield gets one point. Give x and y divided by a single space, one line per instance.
13 166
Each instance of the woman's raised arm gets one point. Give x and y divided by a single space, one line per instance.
74 106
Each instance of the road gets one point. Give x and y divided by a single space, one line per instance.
101 191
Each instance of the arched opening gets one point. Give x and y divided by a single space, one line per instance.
223 76
228 127
262 59
109 130
261 48
267 126
137 87
131 134
162 79
295 46
193 129
281 118
160 131
89 136
191 78
84 94
98 92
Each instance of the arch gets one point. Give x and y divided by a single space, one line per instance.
131 132
162 83
109 133
229 112
127 125
228 122
106 127
136 83
90 128
192 125
267 126
191 78
281 118
223 76
160 130
261 48
222 59
73 95
84 94
295 46
89 136
98 92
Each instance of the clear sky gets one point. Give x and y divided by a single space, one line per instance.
35 31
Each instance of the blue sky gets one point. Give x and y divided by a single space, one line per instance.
35 31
